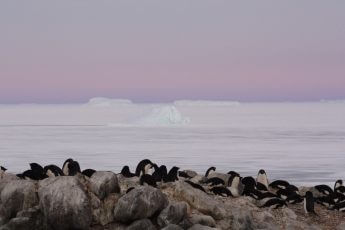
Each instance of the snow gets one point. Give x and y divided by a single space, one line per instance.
105 102
300 142
205 103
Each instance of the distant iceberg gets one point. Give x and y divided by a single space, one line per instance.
340 101
107 102
205 103
164 115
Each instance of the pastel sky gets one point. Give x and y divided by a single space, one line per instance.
268 50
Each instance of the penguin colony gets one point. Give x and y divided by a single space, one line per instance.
276 194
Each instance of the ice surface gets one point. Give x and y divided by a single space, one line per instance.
300 142
163 116
102 101
205 103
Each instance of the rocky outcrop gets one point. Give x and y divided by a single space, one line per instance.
142 202
104 183
174 213
64 203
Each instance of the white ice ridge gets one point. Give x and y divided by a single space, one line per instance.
332 101
163 115
205 103
107 102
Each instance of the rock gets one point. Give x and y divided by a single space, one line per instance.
17 195
200 227
199 200
172 214
242 220
265 220
203 220
64 203
19 223
105 213
341 226
126 183
142 202
288 214
103 183
190 173
144 224
172 227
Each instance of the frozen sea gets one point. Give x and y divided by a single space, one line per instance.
300 142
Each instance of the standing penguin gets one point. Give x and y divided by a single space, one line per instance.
2 171
235 185
309 203
209 171
65 166
172 175
145 165
261 180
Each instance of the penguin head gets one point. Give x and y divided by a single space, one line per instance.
125 169
249 181
73 168
261 171
163 169
65 166
210 170
3 168
338 183
233 173
36 167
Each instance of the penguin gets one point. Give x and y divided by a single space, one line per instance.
279 184
326 201
52 171
337 197
233 173
88 172
309 203
160 173
337 184
274 203
210 171
221 191
2 171
261 187
126 172
145 165
324 189
147 179
172 175
294 199
262 179
73 168
65 166
249 185
340 189
184 175
196 186
214 181
36 172
340 207
287 192
235 186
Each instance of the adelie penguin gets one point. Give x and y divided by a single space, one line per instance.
274 203
2 171
35 173
73 168
160 173
324 189
214 181
126 172
309 203
143 166
172 175
261 180
279 184
147 179
53 171
221 191
88 172
210 171
65 169
235 186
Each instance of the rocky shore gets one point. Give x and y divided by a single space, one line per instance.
103 201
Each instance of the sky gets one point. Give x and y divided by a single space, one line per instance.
68 51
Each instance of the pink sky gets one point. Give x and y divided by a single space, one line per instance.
70 51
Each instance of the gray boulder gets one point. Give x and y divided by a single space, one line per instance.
199 200
144 224
172 227
64 203
202 219
142 202
17 195
104 183
174 213
201 227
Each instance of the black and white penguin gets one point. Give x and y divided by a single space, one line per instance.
261 180
337 184
88 172
37 172
210 171
145 165
287 192
160 173
294 199
339 187
309 203
233 173
324 189
73 168
249 185
2 171
221 191
326 201
65 169
147 179
184 175
214 181
235 185
340 207
274 203
195 185
172 175
53 171
126 172
279 184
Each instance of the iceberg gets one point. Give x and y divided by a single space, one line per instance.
205 103
108 102
164 115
